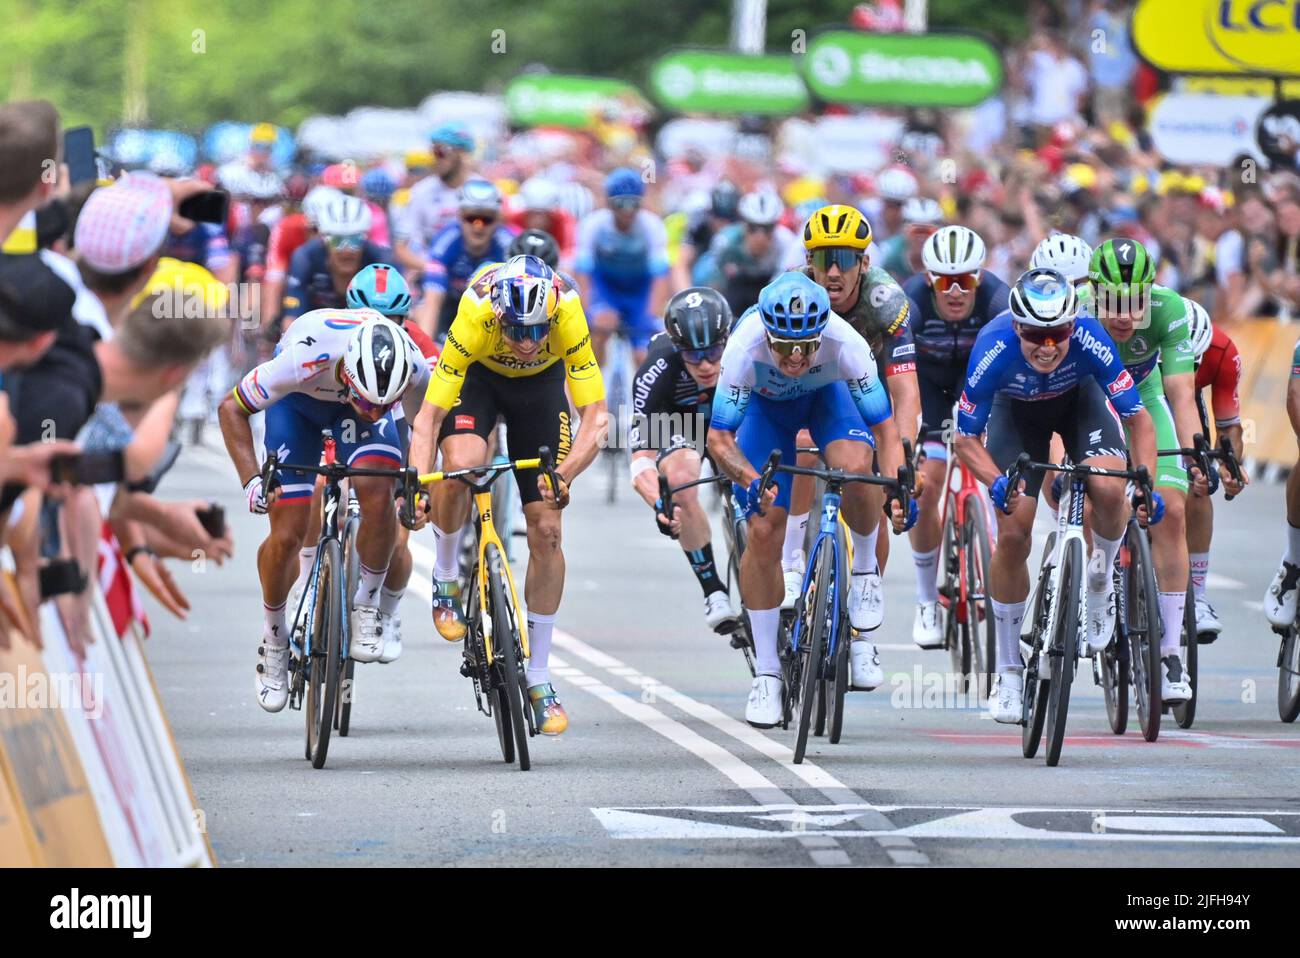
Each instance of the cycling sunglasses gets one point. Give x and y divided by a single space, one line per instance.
709 354
524 334
842 256
1045 335
479 219
365 405
785 348
767 228
624 202
353 242
966 282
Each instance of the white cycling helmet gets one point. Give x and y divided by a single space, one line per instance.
761 208
922 210
343 216
1044 297
1199 328
539 195
896 185
377 363
317 198
477 193
951 250
1065 253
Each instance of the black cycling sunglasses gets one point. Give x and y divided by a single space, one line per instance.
524 334
709 354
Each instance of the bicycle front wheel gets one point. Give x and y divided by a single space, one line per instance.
983 641
1185 712
1288 676
1064 648
949 573
326 668
814 631
1114 684
1143 610
351 562
1034 701
507 654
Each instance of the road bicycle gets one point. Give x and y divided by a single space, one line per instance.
815 662
320 643
496 637
1058 634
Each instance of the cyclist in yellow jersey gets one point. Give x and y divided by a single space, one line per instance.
519 336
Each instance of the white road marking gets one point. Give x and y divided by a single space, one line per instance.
1192 823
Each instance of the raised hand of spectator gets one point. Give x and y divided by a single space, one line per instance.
157 578
179 523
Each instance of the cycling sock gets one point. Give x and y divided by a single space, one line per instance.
1200 563
540 628
277 627
1007 617
389 601
706 572
369 582
1109 549
765 623
1292 544
792 550
306 559
864 551
446 566
1172 605
927 589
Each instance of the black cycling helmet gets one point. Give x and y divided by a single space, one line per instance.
724 201
697 318
537 243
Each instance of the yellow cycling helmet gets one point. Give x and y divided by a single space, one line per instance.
837 225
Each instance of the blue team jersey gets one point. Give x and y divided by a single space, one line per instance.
205 245
942 341
450 265
625 263
309 284
997 365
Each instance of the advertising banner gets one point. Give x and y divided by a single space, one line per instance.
929 69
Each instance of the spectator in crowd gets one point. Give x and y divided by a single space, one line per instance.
1112 64
432 203
29 152
1057 85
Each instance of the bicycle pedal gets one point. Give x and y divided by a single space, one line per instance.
739 640
467 669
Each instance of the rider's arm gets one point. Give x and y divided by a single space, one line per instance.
1293 394
1142 439
573 342
730 401
652 395
973 410
262 387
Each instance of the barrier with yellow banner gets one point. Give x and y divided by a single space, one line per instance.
1252 37
1266 346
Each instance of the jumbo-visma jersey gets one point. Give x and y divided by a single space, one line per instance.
475 337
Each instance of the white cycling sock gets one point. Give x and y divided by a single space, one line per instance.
795 528
1292 545
1109 549
1172 605
1007 617
864 550
277 627
389 601
369 582
446 568
765 623
927 589
540 629
1200 563
306 559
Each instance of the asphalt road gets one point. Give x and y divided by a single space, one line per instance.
658 766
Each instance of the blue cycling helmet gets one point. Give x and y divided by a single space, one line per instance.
378 184
380 287
455 135
794 307
624 181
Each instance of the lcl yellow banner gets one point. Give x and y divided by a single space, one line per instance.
1260 37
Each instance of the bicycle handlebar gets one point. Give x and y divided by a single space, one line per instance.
1204 452
1138 475
901 487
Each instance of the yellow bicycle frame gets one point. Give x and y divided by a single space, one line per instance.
487 533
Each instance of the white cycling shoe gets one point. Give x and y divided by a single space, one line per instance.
272 676
1280 599
1207 620
763 710
392 626
367 634
1006 702
927 632
865 672
866 601
718 613
793 580
1101 618
1174 686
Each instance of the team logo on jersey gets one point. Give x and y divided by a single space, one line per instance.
878 296
1123 382
314 366
464 422
965 405
899 321
1140 344
585 371
343 322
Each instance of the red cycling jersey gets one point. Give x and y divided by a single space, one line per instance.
1220 369
286 236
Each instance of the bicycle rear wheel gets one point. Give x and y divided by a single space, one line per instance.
1185 712
1065 648
326 667
983 640
351 562
1114 683
1288 676
1143 610
813 631
507 646
955 638
837 684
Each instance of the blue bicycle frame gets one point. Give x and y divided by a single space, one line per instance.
829 536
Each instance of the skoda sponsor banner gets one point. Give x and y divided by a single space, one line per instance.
547 99
929 69
1260 37
1199 128
707 81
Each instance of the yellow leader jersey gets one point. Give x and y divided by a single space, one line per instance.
475 337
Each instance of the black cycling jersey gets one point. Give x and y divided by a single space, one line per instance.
668 405
937 338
